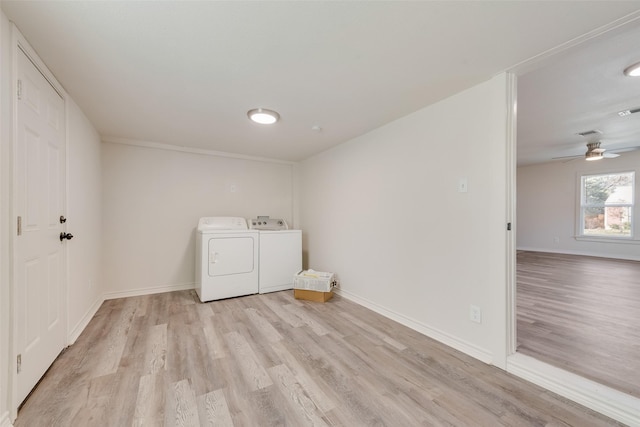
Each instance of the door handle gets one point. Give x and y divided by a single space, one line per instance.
67 236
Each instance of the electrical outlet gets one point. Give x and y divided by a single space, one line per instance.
556 240
475 314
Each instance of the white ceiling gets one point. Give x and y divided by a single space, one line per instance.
579 90
186 73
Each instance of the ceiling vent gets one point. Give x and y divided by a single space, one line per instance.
590 133
628 112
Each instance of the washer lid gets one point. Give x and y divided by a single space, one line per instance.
222 223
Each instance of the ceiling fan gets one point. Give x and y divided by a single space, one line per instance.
594 152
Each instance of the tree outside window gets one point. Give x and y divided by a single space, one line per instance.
607 205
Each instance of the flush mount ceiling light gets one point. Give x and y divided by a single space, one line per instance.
263 116
633 70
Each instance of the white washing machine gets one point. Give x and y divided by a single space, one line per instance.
280 253
226 258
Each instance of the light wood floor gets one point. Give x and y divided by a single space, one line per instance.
267 360
581 314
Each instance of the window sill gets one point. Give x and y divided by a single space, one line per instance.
623 240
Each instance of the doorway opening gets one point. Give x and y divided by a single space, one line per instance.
572 294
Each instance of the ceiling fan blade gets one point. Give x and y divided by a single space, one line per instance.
624 149
567 157
608 154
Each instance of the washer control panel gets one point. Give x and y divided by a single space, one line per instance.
266 223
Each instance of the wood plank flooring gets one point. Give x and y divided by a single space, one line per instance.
271 360
581 314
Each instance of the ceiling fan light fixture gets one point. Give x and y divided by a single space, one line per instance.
594 152
593 155
633 70
263 116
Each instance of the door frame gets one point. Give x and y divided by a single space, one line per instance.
19 43
528 65
610 402
511 167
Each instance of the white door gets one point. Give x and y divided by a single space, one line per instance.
39 255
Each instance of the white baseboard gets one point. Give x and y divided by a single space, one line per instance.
77 330
612 403
149 291
463 346
582 253
5 421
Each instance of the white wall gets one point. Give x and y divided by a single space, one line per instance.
547 207
153 198
84 221
383 212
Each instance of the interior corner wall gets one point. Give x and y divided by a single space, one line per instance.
153 198
84 221
5 222
384 212
548 205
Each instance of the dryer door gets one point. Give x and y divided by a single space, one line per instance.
231 255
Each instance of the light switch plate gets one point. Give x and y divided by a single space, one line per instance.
462 185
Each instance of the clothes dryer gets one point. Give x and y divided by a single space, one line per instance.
226 258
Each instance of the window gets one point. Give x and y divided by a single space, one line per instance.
606 205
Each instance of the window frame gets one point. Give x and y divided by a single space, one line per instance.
582 206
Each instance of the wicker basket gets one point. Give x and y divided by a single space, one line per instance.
314 281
